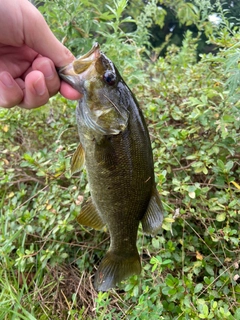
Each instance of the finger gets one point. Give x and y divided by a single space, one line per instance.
47 67
68 92
52 80
10 92
35 91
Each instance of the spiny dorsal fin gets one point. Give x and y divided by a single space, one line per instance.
90 217
153 218
78 159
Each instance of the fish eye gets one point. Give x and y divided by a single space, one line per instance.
109 77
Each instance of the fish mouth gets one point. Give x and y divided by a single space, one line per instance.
73 73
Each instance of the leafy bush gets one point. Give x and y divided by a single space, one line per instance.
191 269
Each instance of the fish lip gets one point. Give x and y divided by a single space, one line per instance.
78 66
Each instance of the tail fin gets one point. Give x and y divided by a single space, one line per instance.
115 268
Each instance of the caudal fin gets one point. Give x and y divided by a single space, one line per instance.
115 268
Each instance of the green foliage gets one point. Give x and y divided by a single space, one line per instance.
191 269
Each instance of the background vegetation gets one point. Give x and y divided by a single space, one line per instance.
190 99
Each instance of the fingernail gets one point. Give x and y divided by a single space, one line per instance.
7 80
40 87
47 70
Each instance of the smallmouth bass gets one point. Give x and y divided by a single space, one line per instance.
116 148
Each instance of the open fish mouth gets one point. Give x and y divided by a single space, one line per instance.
81 64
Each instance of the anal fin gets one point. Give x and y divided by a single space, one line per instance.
90 217
153 218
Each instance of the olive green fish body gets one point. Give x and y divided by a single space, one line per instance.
119 164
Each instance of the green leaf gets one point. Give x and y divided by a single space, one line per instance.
198 287
221 217
209 269
229 165
205 310
220 164
167 261
170 281
228 118
155 243
192 195
165 290
135 291
172 291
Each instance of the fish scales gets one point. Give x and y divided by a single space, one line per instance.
119 163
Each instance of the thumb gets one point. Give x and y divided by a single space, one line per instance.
39 37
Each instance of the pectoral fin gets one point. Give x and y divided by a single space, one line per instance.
153 218
78 159
90 217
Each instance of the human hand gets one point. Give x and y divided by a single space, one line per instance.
29 53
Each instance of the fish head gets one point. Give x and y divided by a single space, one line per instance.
95 76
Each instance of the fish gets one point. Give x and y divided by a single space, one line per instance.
115 148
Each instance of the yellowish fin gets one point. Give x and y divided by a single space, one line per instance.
78 159
115 268
90 217
153 218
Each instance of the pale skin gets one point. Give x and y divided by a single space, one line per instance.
29 55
